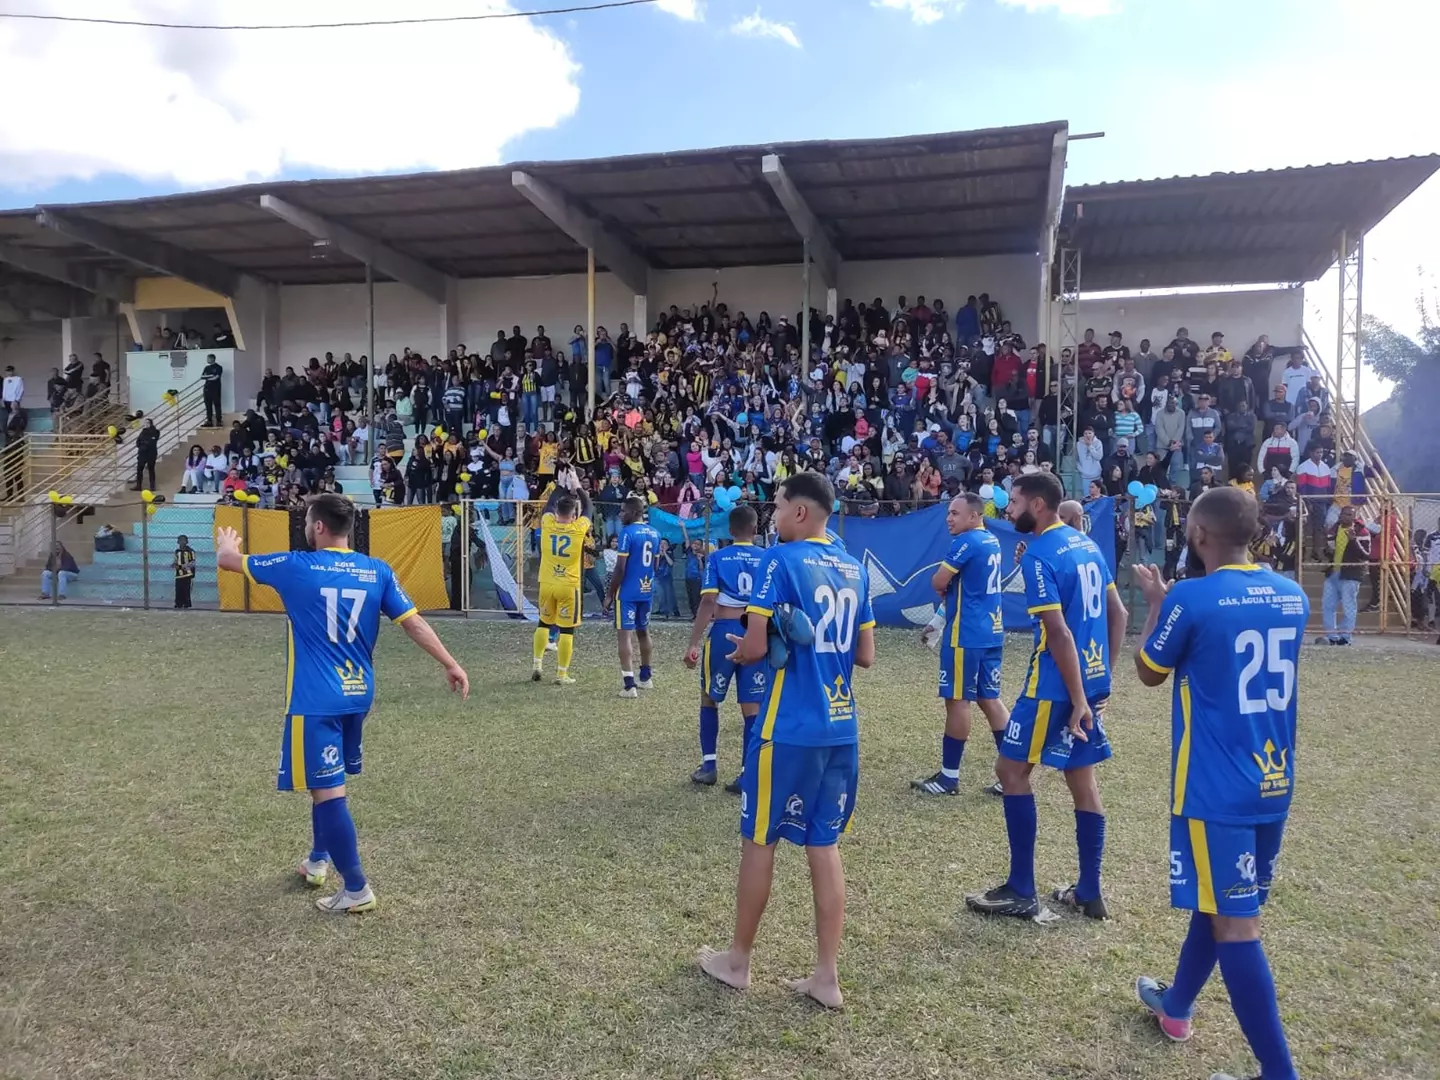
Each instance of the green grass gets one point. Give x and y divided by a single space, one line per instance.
546 873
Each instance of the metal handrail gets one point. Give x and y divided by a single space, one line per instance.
1351 430
94 415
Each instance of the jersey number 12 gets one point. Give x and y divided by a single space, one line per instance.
356 597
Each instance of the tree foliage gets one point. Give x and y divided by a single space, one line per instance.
1406 429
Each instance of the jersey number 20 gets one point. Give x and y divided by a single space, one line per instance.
835 632
356 597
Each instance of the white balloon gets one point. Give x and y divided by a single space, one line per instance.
987 491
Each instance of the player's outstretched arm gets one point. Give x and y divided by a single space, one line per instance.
228 555
424 635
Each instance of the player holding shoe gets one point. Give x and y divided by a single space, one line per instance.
730 576
334 598
802 767
972 639
631 586
1079 625
1230 633
564 532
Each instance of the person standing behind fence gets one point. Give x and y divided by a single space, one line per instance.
146 451
1347 551
184 563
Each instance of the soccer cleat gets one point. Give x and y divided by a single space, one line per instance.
1151 993
997 789
1093 908
733 786
646 684
705 774
345 902
629 691
564 680
1342 640
314 873
535 675
1003 900
939 784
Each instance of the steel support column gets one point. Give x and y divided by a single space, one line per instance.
1068 390
1347 351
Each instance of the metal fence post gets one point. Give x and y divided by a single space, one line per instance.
55 577
145 553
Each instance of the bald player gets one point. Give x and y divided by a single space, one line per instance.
1072 514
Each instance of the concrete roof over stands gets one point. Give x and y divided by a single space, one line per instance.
962 194
1283 225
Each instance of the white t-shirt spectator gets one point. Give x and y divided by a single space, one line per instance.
13 389
1296 379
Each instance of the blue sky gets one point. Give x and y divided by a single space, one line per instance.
1178 86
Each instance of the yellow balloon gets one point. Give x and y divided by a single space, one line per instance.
459 489
112 431
54 495
151 510
456 507
67 500
147 495
440 433
465 476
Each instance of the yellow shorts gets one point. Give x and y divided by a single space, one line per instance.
560 604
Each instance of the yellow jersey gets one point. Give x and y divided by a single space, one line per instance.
548 453
562 547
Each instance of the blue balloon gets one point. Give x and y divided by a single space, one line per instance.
1152 492
734 492
723 499
1135 488
1001 498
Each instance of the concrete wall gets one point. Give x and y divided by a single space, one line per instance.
1241 316
315 319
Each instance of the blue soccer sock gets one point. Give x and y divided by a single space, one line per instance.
629 679
749 730
1021 825
317 845
338 830
1252 995
1090 842
999 737
644 672
709 733
951 751
1192 971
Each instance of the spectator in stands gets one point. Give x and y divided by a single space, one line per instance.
1315 486
1186 350
147 443
60 570
1126 426
1347 554
1240 435
194 475
1314 391
1209 454
1257 361
184 564
1307 424
1090 456
1088 354
1280 451
1277 409
16 421
12 389
1296 376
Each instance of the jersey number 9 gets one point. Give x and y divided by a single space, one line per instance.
835 632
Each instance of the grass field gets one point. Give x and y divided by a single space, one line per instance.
546 873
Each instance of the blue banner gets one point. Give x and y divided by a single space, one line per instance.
901 554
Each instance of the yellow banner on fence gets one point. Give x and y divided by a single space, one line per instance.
263 533
408 538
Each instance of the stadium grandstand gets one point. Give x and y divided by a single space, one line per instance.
913 316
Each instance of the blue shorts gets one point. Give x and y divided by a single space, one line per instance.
718 671
970 674
804 794
328 747
1039 732
632 614
1222 869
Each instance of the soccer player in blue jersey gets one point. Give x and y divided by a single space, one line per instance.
1230 633
730 577
631 586
1058 721
972 639
334 598
802 766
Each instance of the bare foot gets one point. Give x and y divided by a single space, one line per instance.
824 992
725 967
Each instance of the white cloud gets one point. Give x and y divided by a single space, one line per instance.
757 25
689 10
923 12
212 107
1084 9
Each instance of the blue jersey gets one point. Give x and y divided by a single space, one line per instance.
1232 638
731 573
334 599
834 538
640 543
1064 571
809 701
972 599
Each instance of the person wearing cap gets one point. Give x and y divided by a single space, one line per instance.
1116 353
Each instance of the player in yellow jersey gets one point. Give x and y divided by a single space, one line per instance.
564 531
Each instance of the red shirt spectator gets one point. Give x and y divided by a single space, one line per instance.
1007 364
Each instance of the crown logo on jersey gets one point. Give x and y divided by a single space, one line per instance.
997 620
839 697
1094 654
352 678
1273 779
